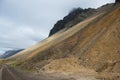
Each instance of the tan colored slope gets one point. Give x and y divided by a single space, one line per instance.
55 39
94 43
51 41
104 53
66 65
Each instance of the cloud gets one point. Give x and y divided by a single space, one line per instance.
24 22
21 36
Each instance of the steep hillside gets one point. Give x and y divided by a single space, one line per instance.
43 45
92 45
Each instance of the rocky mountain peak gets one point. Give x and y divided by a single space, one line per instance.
75 16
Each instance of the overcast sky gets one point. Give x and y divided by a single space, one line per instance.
26 22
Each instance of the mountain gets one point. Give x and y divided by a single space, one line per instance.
92 46
10 53
75 16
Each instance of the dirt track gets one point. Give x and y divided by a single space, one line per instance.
9 73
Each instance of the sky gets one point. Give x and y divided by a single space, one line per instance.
24 23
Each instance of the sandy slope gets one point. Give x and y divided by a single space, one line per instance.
52 40
90 42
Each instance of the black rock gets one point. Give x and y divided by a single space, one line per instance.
117 1
75 16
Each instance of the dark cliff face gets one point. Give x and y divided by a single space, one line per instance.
117 1
75 16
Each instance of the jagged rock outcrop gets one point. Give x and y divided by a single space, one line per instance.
75 16
117 1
